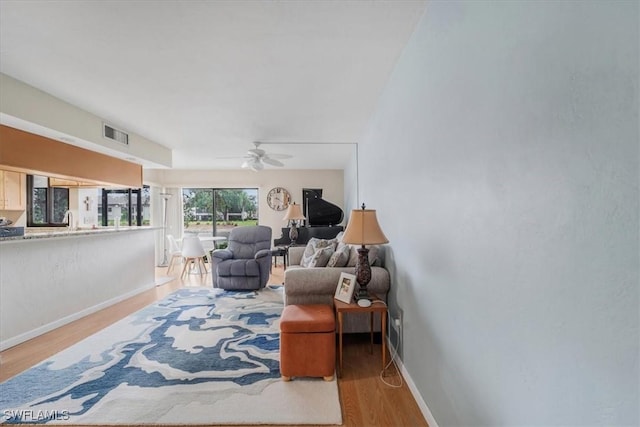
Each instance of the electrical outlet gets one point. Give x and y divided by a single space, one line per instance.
396 322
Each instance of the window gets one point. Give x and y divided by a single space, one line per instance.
232 207
128 207
46 205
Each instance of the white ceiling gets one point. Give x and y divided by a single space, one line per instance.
207 78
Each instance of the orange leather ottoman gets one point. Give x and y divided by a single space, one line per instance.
307 341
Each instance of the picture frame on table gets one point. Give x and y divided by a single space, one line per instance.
345 288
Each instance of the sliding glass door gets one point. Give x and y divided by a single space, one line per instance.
216 211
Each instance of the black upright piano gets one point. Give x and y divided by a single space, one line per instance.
322 219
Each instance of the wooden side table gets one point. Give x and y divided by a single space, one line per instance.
377 306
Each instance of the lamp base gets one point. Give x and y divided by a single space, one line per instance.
363 273
293 234
363 294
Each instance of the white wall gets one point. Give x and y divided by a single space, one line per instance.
87 206
49 282
503 162
331 181
25 107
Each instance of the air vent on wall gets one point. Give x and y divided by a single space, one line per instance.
114 134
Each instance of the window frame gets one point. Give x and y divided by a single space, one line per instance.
214 205
49 204
129 191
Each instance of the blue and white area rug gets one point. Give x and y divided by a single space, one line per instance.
199 356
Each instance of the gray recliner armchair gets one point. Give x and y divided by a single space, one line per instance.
246 262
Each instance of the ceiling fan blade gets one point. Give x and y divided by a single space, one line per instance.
273 162
280 156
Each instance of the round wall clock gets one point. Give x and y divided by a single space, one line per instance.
278 198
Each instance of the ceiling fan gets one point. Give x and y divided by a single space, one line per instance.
256 158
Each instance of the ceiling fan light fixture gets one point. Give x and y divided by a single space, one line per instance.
256 158
254 165
256 152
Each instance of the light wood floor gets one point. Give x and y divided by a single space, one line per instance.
366 401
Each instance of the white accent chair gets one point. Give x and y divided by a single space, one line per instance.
208 245
174 251
193 253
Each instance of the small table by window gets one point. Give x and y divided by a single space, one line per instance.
377 306
279 251
214 239
285 251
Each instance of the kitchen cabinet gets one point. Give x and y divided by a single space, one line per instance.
13 191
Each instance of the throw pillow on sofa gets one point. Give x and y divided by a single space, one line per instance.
313 247
314 244
340 257
321 257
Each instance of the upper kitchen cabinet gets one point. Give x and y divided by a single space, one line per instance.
13 191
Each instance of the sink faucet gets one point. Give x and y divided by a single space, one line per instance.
68 216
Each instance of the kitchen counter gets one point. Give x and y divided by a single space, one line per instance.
50 278
47 233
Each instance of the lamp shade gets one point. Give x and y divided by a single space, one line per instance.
363 229
294 213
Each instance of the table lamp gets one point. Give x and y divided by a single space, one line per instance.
363 229
294 213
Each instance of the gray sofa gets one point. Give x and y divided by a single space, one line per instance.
317 285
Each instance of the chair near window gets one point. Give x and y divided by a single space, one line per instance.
245 264
208 245
193 254
173 250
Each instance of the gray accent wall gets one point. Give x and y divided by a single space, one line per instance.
502 159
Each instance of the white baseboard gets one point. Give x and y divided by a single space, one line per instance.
163 280
426 412
70 318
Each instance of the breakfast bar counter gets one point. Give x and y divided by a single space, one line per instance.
49 278
62 232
